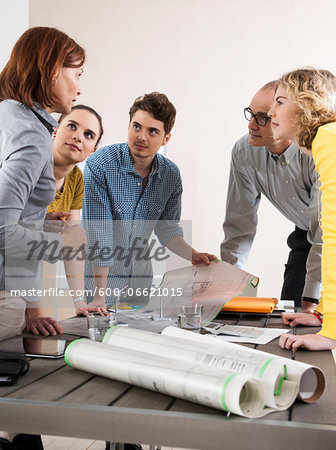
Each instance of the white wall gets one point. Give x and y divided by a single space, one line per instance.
14 20
209 57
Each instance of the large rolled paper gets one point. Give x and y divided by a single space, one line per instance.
237 393
279 392
310 379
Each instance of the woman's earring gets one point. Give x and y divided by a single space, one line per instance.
53 136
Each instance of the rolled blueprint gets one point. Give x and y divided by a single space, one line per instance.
279 392
310 379
229 391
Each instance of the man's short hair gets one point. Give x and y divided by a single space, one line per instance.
271 85
158 106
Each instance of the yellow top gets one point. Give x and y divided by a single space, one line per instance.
71 196
324 155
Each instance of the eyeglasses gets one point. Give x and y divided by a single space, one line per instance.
261 119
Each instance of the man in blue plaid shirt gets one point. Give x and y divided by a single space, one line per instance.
130 191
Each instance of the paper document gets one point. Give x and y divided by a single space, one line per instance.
265 336
212 286
233 330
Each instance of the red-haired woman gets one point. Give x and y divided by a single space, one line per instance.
41 77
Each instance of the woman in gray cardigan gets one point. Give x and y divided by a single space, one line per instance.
40 78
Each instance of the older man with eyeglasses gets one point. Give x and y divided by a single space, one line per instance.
279 171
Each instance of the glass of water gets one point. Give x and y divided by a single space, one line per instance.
190 316
98 325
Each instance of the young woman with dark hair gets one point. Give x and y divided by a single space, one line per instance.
76 138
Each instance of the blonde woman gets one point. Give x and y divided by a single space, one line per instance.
304 111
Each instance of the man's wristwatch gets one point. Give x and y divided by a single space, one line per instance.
78 299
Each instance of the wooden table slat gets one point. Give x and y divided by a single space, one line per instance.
54 386
97 391
39 368
137 397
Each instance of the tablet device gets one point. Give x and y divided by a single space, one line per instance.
44 346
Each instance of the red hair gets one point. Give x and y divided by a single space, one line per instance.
37 57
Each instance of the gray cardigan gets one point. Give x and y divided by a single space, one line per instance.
27 186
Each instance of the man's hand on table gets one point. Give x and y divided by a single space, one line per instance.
96 306
44 325
37 323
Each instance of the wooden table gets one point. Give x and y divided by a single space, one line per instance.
58 400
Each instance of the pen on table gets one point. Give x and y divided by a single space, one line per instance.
63 218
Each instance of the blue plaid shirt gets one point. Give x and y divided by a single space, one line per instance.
114 204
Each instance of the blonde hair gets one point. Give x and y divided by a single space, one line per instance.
314 91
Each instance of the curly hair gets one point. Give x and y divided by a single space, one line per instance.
314 91
158 106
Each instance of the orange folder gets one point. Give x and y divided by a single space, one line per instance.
251 304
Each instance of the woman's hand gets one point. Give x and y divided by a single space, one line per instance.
314 342
53 223
294 319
